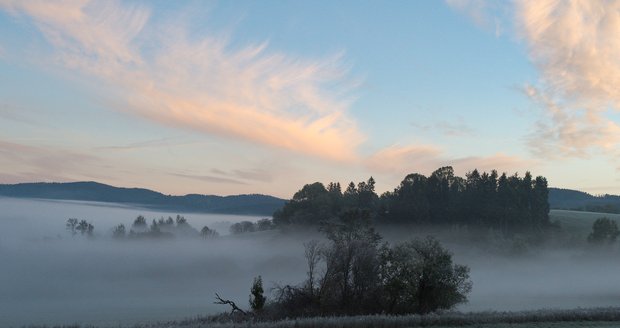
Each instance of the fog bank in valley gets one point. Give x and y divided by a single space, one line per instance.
50 277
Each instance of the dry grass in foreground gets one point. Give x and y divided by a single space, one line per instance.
596 317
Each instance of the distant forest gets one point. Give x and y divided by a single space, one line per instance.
580 201
503 202
97 192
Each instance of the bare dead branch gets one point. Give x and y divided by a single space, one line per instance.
229 302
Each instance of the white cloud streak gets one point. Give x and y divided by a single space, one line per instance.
203 84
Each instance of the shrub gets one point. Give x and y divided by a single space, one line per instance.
604 231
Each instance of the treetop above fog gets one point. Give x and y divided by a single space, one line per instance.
503 202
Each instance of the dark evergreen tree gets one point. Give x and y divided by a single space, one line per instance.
257 299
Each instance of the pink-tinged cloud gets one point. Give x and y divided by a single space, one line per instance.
576 48
398 161
29 163
203 84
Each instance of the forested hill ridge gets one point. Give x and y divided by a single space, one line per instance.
92 191
568 199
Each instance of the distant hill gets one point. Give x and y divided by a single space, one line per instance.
568 199
92 191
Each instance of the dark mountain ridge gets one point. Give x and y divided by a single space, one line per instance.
93 191
578 200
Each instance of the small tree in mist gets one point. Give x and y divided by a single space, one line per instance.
257 299
154 229
119 231
139 224
207 233
72 226
604 231
181 221
242 227
85 228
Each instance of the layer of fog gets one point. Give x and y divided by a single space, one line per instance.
47 276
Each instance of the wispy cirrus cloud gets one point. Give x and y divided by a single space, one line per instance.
575 46
209 178
234 176
483 13
143 144
16 114
254 174
570 132
202 83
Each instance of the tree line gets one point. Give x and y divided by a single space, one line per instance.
161 228
508 203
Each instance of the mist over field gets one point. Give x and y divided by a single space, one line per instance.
51 277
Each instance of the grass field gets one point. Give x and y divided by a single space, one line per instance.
595 317
582 324
578 222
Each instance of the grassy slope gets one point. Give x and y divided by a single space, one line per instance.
577 222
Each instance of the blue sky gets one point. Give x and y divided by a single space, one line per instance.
229 97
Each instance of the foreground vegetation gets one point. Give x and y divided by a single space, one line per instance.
599 317
353 273
596 317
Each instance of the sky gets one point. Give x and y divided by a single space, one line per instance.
235 97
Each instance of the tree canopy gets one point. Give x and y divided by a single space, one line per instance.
507 203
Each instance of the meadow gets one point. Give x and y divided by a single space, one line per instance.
578 222
587 318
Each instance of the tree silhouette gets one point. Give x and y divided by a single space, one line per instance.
257 299
604 231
